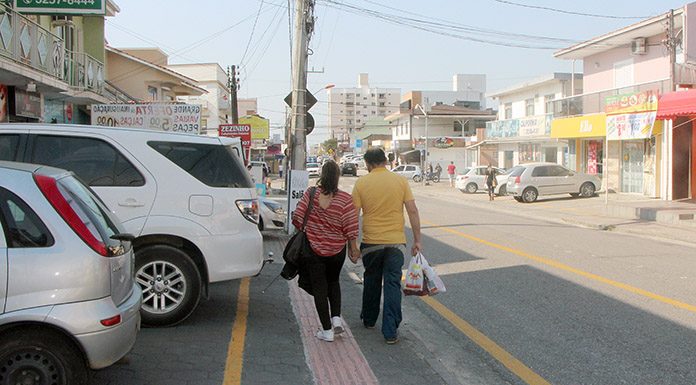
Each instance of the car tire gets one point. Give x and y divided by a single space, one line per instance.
502 191
574 195
529 195
471 188
260 223
26 355
587 190
519 199
153 265
417 178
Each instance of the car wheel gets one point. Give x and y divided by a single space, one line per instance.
417 178
587 189
170 282
529 195
502 191
471 188
575 195
36 357
519 199
260 223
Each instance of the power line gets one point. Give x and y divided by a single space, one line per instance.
251 36
569 12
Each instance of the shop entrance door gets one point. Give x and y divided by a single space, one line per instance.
632 166
509 156
551 154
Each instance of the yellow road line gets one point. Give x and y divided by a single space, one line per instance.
564 267
235 350
513 364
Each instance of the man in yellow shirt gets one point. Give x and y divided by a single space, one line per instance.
382 195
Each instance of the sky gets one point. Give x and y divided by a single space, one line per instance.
395 46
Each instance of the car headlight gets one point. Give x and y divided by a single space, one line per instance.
275 207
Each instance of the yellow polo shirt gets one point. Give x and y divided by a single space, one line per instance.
381 195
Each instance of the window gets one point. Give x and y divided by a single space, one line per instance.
381 96
529 107
457 126
508 110
152 92
23 228
96 162
557 171
374 113
541 171
381 104
214 165
8 147
548 103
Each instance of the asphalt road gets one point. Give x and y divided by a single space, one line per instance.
527 302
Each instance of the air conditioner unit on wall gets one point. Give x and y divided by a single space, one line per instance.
639 46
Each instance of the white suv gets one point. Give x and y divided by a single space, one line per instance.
188 200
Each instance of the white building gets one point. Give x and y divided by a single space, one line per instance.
248 106
216 103
522 131
352 107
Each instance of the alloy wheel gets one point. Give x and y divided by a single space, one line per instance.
163 285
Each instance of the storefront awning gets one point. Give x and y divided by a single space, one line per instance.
675 104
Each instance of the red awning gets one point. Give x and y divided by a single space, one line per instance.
675 104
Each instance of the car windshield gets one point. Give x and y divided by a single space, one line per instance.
312 165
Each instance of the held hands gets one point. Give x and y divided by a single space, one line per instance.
416 248
354 254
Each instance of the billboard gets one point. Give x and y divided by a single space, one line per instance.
182 118
61 7
241 131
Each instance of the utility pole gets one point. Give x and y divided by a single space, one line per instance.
233 85
672 42
304 26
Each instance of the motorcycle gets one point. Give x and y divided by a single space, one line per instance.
430 177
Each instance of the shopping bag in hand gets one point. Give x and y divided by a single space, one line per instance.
415 282
435 284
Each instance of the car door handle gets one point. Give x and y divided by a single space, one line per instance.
131 202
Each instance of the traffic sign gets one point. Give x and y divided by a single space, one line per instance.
310 100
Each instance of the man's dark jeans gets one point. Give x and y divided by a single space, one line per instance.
382 264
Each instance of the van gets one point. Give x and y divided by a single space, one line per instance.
188 200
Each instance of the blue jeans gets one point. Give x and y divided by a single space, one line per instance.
382 265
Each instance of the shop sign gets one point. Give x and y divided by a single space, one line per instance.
241 131
631 103
592 163
182 118
27 104
535 126
633 126
503 128
61 7
586 126
260 127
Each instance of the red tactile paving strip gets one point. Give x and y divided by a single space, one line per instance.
340 362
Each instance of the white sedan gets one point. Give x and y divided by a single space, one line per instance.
409 171
271 214
474 179
314 169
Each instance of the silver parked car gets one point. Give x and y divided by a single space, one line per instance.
67 289
528 181
409 171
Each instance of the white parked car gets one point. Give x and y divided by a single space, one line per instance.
474 179
68 298
529 181
314 169
272 214
409 171
188 200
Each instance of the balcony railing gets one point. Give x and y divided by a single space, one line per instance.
593 103
28 43
84 72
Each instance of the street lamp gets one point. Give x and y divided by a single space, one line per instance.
425 158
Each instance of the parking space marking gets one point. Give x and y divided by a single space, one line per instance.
570 269
235 349
340 362
508 360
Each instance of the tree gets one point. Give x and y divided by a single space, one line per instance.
330 144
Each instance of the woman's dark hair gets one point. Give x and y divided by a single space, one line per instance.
375 157
329 177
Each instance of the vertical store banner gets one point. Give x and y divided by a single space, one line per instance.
241 131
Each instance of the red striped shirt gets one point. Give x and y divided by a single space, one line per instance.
328 229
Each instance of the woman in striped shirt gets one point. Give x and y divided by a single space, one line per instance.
332 223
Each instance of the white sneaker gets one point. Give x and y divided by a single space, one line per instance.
337 325
325 335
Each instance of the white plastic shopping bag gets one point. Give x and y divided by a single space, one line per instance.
414 280
434 282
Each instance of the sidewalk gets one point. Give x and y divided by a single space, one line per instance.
663 220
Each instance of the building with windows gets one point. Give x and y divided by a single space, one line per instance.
349 108
52 66
613 123
522 131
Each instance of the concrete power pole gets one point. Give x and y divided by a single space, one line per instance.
232 80
304 24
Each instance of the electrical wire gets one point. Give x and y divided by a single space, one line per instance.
251 36
569 12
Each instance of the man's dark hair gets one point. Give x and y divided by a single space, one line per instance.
329 177
375 157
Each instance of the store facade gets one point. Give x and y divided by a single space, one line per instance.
586 136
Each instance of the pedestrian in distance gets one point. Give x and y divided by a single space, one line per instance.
381 196
280 170
451 169
332 222
438 169
491 182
